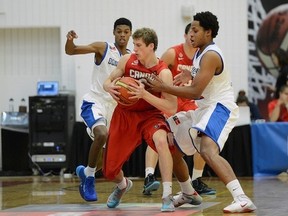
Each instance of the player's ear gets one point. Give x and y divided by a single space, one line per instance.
208 32
151 46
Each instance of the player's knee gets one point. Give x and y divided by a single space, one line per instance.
100 136
161 145
207 155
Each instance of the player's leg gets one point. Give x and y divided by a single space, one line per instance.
150 182
96 128
87 174
181 171
116 155
165 166
197 173
210 153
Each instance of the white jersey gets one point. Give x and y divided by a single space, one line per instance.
102 71
98 105
219 88
216 115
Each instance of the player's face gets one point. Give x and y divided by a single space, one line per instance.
198 35
140 49
188 37
122 34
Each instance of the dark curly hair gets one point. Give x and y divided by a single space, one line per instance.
208 21
123 21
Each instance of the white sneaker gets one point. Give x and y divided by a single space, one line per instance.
241 204
115 197
181 199
167 204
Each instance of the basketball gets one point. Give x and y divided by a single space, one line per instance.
273 30
125 88
272 34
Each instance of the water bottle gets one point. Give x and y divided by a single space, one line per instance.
11 105
23 107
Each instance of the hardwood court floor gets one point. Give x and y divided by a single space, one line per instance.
58 196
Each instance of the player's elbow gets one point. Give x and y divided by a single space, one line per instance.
69 52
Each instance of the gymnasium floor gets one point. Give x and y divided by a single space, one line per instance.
58 196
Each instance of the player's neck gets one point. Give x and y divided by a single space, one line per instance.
121 49
150 62
205 45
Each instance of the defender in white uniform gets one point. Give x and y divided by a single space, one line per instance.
216 115
212 122
98 106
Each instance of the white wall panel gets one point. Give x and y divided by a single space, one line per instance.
27 56
93 20
33 36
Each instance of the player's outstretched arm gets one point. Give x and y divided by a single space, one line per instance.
72 49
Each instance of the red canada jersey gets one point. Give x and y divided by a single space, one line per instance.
130 125
182 60
136 70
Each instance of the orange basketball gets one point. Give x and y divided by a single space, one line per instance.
273 30
272 34
124 96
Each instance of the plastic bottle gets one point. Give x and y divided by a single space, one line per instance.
23 107
11 105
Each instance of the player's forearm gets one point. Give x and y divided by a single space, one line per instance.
164 105
106 84
69 47
182 91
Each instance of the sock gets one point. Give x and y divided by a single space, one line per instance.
235 188
186 187
149 170
196 174
122 184
167 189
89 171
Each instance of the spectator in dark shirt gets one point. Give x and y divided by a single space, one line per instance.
242 100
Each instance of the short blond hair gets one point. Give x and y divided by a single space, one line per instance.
148 36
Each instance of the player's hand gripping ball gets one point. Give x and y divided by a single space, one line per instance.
125 88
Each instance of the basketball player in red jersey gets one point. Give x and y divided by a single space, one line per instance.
143 120
176 57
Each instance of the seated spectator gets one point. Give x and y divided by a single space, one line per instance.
280 60
242 100
278 108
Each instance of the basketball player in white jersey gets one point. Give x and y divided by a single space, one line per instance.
217 113
177 56
98 105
